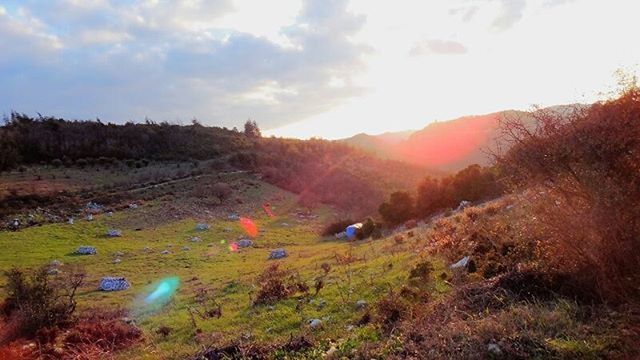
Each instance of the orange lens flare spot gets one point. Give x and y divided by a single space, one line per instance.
249 226
233 247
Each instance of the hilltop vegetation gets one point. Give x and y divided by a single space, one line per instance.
318 170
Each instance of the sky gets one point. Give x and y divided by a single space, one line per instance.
309 68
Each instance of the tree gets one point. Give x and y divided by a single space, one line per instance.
432 196
398 209
251 129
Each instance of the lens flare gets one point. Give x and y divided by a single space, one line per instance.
233 247
155 297
163 291
249 226
223 241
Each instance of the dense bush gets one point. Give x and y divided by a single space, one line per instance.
583 169
38 300
336 227
398 209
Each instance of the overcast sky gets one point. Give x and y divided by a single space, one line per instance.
328 68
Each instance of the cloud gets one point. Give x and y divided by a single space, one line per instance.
437 47
466 13
511 13
125 61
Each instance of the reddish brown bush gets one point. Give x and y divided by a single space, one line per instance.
39 300
584 171
275 284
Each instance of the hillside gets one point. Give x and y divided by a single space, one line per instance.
449 145
48 150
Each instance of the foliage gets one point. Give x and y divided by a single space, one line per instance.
275 284
583 169
37 300
252 130
398 209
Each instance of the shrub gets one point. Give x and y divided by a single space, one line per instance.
336 227
389 311
275 284
82 163
38 301
583 169
221 190
368 227
398 209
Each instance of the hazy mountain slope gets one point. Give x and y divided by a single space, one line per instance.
446 145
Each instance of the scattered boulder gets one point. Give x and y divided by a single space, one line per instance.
70 221
202 227
494 349
462 263
89 217
55 263
118 254
110 214
277 254
463 205
86 250
109 283
186 248
114 233
195 239
14 224
53 271
94 208
361 304
133 206
233 217
164 252
117 261
315 324
243 243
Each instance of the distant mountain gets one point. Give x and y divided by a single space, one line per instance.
445 145
381 145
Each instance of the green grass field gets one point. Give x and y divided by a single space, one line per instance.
380 265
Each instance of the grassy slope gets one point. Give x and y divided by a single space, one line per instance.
210 264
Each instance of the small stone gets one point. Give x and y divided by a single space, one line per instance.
113 284
185 248
494 349
361 304
164 252
202 227
315 323
196 239
55 263
114 233
117 261
86 250
243 243
277 254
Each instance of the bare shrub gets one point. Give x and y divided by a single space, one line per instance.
221 190
38 300
583 166
276 284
